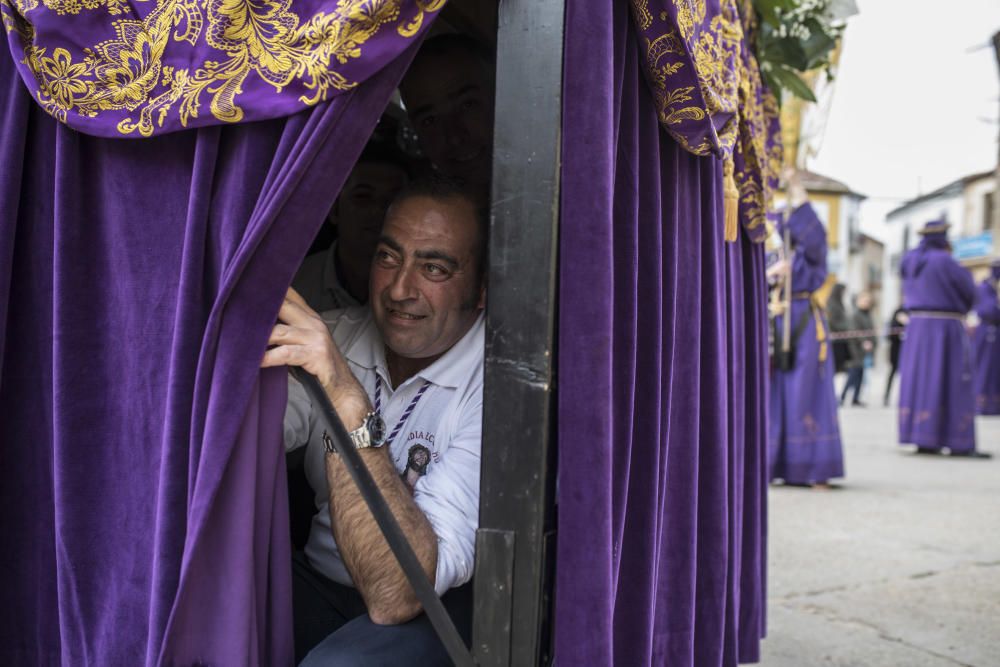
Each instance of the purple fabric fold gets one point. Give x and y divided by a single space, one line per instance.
141 466
661 540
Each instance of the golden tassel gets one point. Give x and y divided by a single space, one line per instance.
731 199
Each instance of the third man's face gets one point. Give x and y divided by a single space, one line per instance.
450 103
425 288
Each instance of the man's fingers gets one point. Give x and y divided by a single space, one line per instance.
293 295
293 313
286 355
276 356
283 334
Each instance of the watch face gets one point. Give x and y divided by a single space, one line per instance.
376 429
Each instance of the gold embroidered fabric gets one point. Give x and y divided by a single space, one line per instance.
189 62
691 54
709 96
759 150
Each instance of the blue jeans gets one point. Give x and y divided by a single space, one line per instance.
855 376
335 615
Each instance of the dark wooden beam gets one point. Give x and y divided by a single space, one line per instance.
518 471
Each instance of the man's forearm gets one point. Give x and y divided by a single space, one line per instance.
373 566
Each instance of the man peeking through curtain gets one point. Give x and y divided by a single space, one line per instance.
405 375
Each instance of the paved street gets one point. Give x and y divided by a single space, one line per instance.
900 565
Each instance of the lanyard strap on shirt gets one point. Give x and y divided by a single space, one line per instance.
406 413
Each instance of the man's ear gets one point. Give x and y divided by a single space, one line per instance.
482 298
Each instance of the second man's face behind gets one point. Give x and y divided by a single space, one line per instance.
362 204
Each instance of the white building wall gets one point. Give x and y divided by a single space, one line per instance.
975 205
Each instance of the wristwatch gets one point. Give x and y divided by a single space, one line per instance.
371 433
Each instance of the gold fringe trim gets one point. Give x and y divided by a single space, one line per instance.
731 199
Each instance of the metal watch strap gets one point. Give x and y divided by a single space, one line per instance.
361 437
371 433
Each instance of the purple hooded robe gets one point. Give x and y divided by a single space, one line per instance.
987 347
803 435
936 406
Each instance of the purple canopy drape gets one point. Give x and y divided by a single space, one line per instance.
662 364
142 500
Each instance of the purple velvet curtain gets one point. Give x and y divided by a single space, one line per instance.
662 352
142 500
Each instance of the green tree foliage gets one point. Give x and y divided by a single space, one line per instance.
798 36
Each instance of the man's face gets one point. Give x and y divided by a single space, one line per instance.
362 204
425 289
864 301
450 103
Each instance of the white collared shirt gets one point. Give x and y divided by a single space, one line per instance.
445 427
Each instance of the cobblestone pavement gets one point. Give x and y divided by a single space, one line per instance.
898 565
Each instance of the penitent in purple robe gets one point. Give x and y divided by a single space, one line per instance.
936 399
803 435
986 344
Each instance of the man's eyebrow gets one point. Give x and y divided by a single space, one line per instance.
471 88
391 242
464 90
438 255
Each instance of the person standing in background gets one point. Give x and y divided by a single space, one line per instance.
859 347
804 447
338 277
836 315
895 337
937 409
986 345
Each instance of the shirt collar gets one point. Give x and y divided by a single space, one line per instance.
450 370
455 365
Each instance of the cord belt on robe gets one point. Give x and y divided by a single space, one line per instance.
817 311
938 314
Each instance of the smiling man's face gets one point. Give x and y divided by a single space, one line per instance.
425 288
450 103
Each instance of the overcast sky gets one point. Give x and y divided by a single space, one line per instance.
916 100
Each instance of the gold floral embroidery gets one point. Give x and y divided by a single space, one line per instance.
423 6
261 38
114 7
709 96
810 424
689 13
759 149
693 71
642 15
663 61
